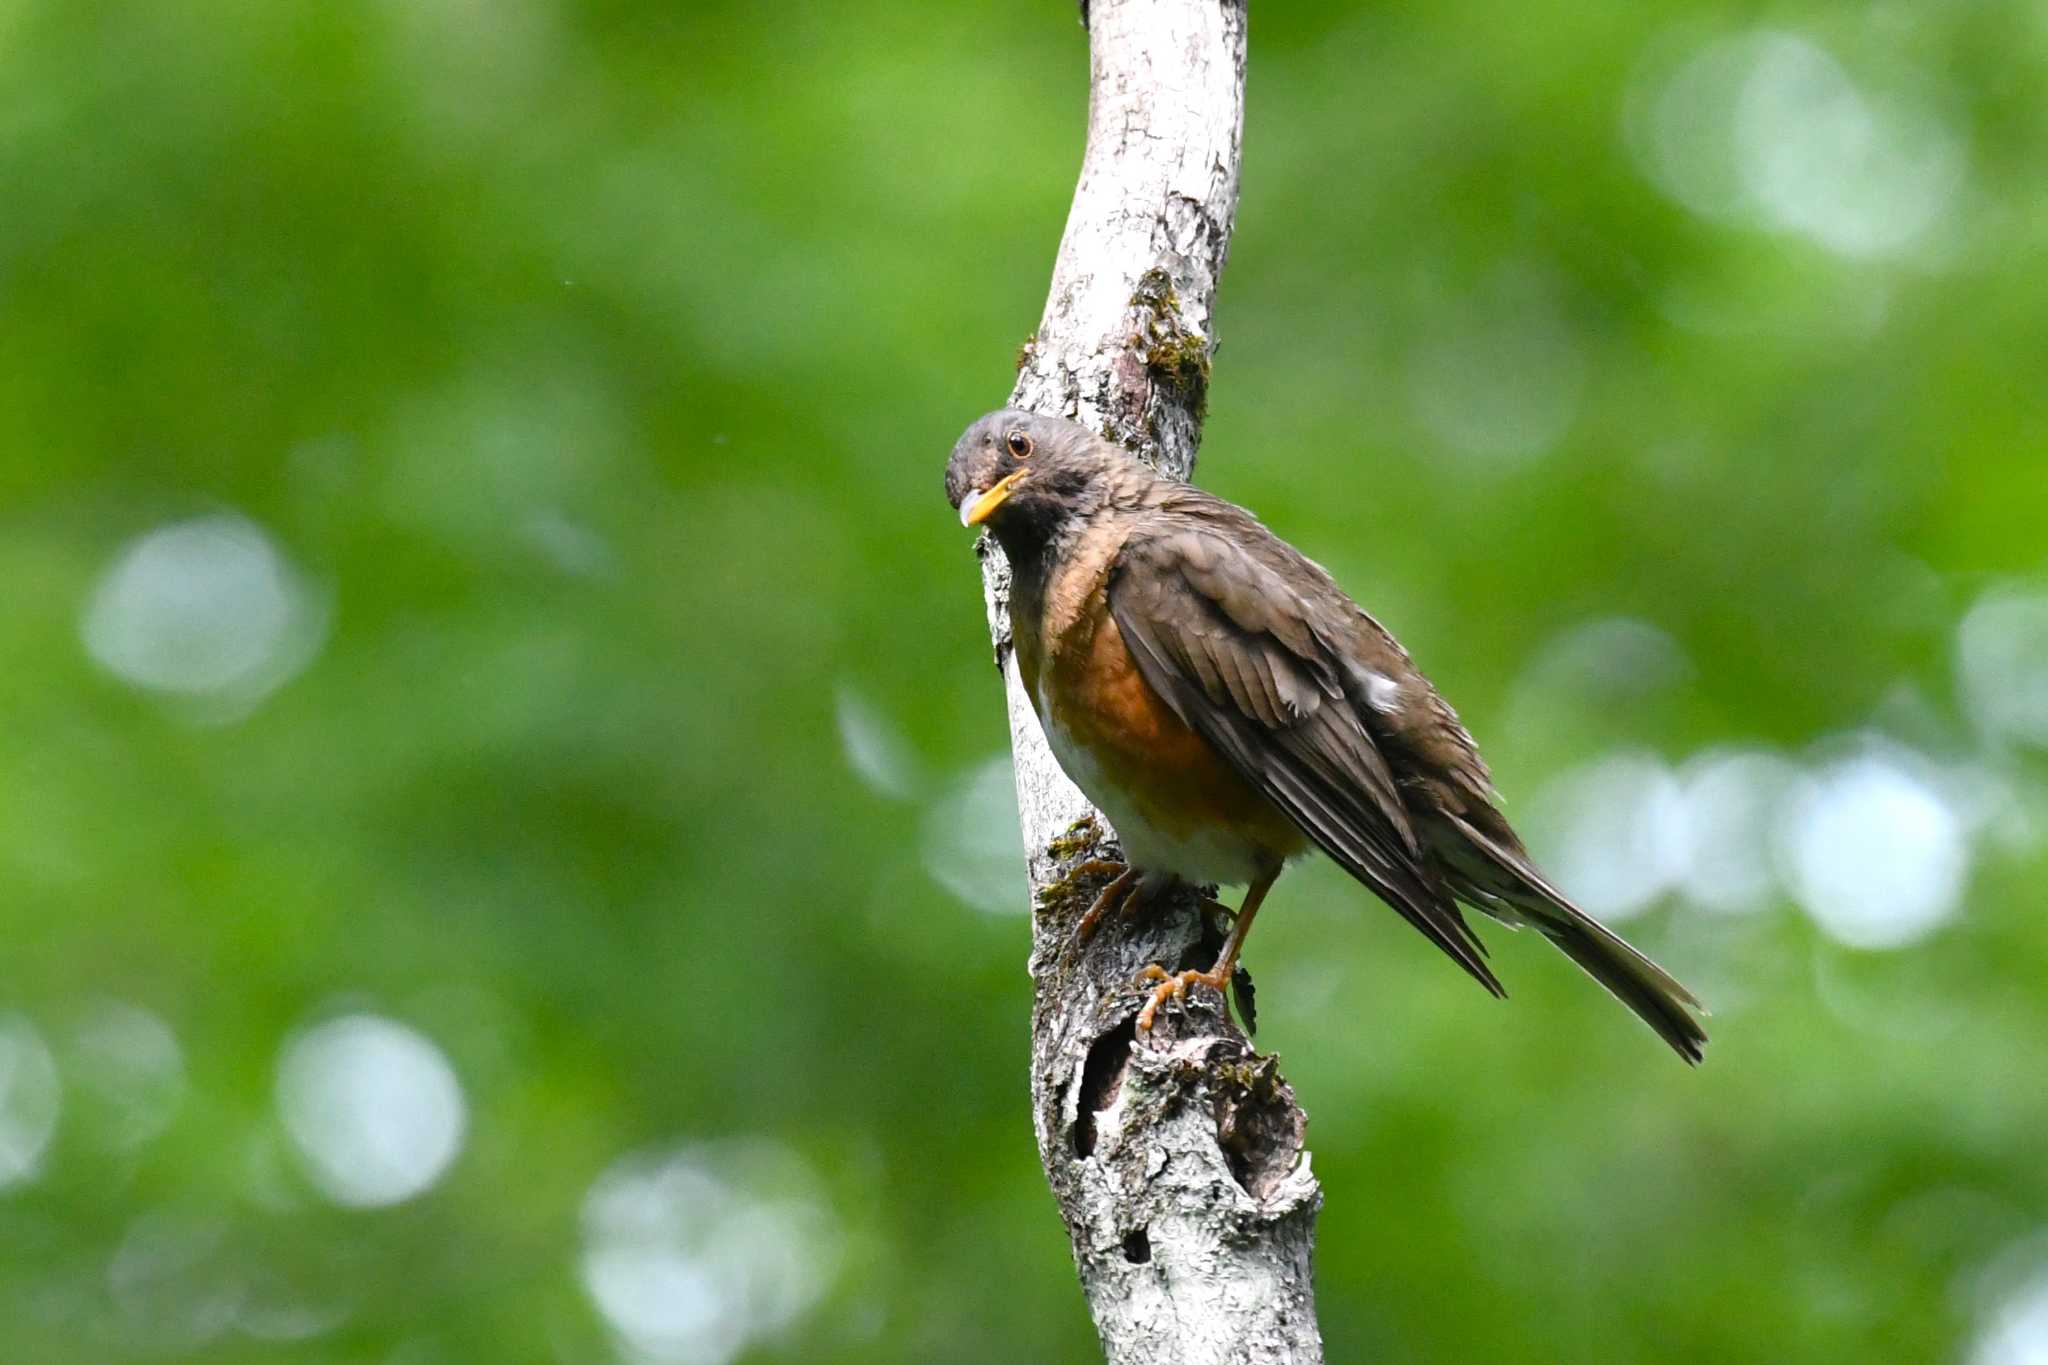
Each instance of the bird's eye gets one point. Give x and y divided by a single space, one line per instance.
1019 444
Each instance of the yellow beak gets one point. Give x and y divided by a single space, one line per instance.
977 510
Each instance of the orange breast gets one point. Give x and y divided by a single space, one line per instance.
1090 686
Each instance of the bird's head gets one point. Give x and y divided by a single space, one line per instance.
1026 476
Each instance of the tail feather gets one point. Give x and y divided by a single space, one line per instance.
1507 884
1629 977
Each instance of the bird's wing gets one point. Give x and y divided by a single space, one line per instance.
1222 635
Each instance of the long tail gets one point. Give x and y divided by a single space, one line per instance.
1507 885
1631 978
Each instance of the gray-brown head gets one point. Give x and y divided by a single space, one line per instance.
1029 477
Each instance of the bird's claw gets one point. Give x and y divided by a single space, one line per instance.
1172 986
1122 891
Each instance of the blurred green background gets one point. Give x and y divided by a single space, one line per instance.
504 847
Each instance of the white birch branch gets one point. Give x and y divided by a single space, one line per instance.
1176 1160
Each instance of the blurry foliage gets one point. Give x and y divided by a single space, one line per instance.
550 402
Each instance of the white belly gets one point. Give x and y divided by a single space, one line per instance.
1208 856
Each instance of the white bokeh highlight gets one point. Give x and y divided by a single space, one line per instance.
30 1097
1734 800
1874 851
1768 128
129 1071
207 610
174 1281
971 843
372 1107
2017 1330
2002 666
694 1255
875 747
1613 833
1822 157
182 1280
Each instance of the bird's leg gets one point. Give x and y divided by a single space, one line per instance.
1172 986
1120 891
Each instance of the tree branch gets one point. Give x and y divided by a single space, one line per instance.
1177 1159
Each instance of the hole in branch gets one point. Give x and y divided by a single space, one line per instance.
1138 1247
1102 1077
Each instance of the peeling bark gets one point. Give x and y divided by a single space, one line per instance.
1176 1159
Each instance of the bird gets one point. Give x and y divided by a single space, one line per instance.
1229 708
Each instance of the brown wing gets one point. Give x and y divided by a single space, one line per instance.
1450 799
1218 629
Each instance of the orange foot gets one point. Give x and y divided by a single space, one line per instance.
1173 986
1122 891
